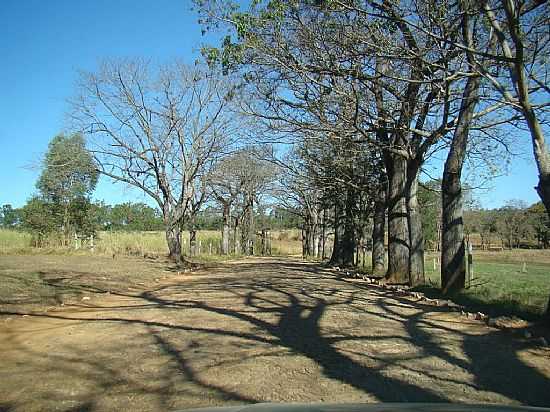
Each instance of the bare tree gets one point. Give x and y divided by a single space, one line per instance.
521 29
159 130
242 178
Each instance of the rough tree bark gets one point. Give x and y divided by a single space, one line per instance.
349 239
193 242
225 229
378 231
453 270
314 232
398 228
305 238
416 236
338 227
324 234
173 238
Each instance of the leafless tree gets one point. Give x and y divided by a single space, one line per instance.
159 129
239 179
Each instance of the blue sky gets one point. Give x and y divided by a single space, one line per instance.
44 43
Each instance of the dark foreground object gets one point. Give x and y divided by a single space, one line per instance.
360 407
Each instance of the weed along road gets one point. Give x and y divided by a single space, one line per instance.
142 336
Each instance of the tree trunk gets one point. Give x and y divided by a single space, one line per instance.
173 238
314 232
398 228
337 250
251 229
236 236
324 234
453 269
416 236
543 188
192 242
306 236
378 231
225 229
349 240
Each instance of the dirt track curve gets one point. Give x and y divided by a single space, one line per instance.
258 330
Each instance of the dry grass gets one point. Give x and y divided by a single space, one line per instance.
12 240
285 242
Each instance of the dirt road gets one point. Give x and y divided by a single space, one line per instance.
260 330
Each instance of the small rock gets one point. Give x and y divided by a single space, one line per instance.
527 334
541 341
482 316
492 322
509 322
86 298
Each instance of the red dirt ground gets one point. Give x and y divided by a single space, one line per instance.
256 330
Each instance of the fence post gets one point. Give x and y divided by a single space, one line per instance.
75 241
92 242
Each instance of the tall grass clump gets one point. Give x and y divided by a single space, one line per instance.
14 240
130 243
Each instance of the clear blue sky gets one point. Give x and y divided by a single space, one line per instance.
44 42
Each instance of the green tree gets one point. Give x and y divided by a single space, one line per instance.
429 198
135 216
541 224
41 218
69 176
9 217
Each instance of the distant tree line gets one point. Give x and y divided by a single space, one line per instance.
513 225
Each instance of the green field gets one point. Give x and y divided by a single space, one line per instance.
499 285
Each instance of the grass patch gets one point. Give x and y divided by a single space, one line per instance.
14 240
500 287
142 243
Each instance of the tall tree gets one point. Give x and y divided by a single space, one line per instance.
69 176
160 130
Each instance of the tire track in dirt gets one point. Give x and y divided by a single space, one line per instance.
259 329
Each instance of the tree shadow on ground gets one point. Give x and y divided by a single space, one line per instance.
282 304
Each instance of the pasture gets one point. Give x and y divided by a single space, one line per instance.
118 243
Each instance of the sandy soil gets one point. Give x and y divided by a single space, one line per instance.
258 330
